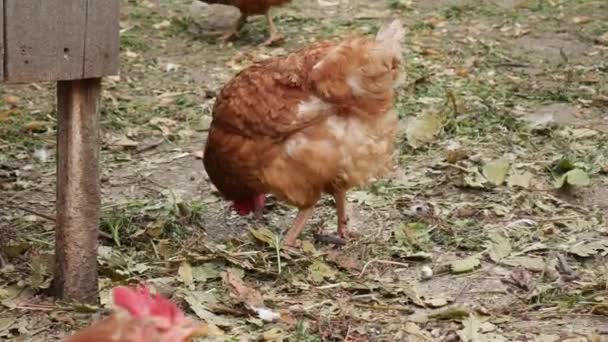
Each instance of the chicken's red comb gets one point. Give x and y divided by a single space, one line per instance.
139 302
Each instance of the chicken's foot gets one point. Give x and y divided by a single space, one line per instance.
275 36
328 239
258 217
258 214
291 239
231 35
343 231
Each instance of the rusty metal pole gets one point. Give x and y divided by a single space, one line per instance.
78 192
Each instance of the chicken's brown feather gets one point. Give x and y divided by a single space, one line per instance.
250 7
262 100
254 113
317 120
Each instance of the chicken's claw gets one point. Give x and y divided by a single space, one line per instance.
274 39
329 239
297 243
347 234
234 33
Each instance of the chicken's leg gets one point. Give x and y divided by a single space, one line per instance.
298 225
275 36
340 198
230 35
258 216
258 213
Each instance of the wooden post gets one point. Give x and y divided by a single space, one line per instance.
78 191
74 42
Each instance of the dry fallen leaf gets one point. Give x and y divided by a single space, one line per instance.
436 302
343 261
185 274
520 179
11 100
496 171
266 236
603 39
465 265
131 54
274 334
240 291
324 3
456 153
430 52
251 298
423 128
462 72
499 247
35 127
318 271
155 121
197 301
5 115
575 177
162 24
474 179
583 133
415 334
198 154
581 19
6 323
521 278
534 264
121 142
585 249
470 330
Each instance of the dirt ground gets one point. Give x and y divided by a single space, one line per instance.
493 226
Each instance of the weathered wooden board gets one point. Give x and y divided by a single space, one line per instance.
103 38
44 39
54 40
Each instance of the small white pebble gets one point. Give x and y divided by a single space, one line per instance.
266 314
41 155
131 54
162 24
171 67
453 146
420 209
522 222
426 273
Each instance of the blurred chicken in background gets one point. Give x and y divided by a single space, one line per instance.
249 8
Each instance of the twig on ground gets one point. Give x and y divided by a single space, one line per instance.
386 307
33 212
388 262
149 147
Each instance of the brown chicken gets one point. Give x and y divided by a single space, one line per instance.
319 120
253 7
144 318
